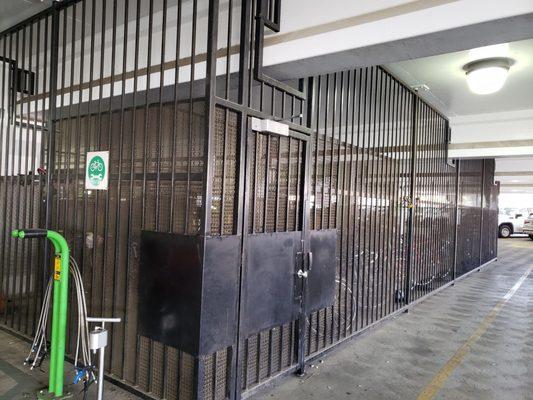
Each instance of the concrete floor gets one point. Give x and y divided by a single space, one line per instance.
466 342
17 382
455 340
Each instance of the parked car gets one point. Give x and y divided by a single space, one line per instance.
510 224
528 226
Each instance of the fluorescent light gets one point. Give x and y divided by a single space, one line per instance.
488 75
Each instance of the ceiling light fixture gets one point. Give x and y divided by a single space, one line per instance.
488 75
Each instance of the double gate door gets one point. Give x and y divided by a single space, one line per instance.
287 270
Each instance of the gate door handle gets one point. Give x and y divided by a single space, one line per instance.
302 274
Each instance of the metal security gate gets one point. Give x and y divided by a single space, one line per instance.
359 197
273 239
25 62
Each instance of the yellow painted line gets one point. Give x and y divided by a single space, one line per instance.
442 376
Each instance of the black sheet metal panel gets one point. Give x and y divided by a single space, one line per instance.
185 300
220 292
170 282
321 279
269 292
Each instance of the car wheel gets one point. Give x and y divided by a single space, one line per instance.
531 237
505 231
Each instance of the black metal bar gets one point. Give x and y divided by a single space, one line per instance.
481 208
130 224
27 247
346 198
191 103
357 93
388 239
364 200
175 119
4 167
116 260
144 169
412 194
457 216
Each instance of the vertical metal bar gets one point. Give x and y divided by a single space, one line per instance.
330 192
4 165
362 204
235 376
158 162
228 49
481 218
8 243
68 146
44 139
116 261
145 158
326 109
346 196
378 221
109 144
191 107
379 200
317 141
412 191
78 114
372 264
98 146
337 204
389 203
132 178
17 166
396 198
176 113
28 181
160 114
357 93
457 218
210 92
299 206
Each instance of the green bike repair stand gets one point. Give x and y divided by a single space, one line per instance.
59 310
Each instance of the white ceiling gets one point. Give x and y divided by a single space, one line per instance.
515 174
448 90
494 118
15 11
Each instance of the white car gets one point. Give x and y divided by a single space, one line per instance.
510 224
528 226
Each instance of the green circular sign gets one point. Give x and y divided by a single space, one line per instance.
96 170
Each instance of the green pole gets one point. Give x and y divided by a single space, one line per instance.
60 303
55 327
61 272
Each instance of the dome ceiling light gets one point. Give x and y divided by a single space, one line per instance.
488 75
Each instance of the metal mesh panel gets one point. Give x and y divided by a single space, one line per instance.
276 201
225 176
